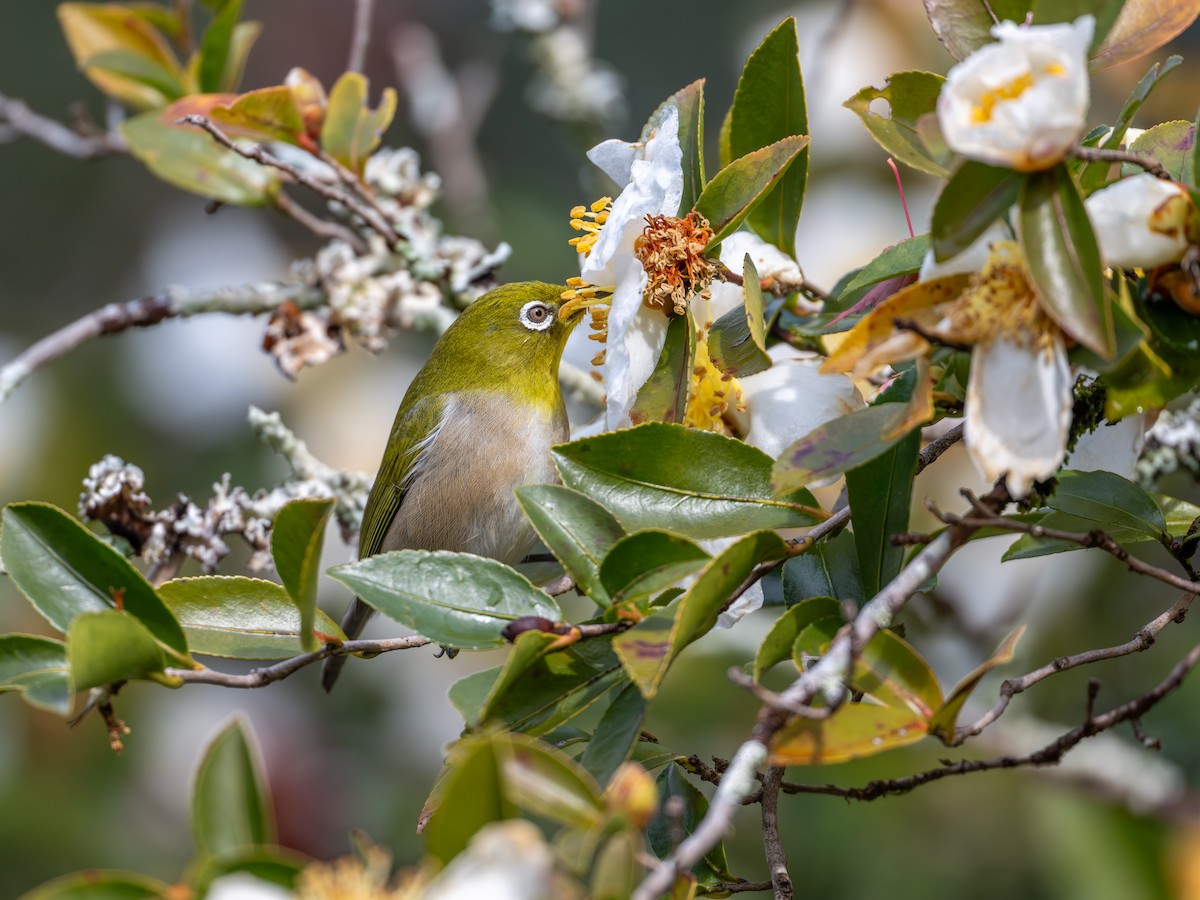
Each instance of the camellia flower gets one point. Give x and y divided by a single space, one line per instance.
1019 395
1019 102
1141 221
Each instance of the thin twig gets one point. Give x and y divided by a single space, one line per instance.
18 120
257 678
938 446
322 228
1099 154
248 299
360 39
772 846
773 286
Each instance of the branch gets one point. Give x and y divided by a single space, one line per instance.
773 286
170 303
257 678
361 37
18 120
776 859
1098 154
826 678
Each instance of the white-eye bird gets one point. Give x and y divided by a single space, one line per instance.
476 423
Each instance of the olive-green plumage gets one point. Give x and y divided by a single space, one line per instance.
476 423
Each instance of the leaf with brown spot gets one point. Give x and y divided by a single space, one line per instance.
853 731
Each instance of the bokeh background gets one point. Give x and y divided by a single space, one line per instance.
173 400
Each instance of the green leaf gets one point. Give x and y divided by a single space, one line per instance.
1142 27
1105 12
964 26
695 483
742 185
693 806
245 34
110 646
975 196
188 157
768 106
880 493
904 258
64 570
1064 259
472 695
689 103
137 69
854 731
240 618
577 530
231 805
737 341
1093 176
896 675
664 396
814 639
456 599
352 130
1029 547
910 97
777 645
37 667
101 884
1171 143
641 648
646 562
215 47
546 782
828 569
274 866
1108 500
616 734
268 114
469 795
945 719
296 540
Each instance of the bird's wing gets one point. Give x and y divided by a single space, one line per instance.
414 430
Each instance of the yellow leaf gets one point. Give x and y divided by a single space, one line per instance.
853 731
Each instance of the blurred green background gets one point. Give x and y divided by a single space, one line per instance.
173 400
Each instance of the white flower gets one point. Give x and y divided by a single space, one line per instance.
652 175
1140 221
1020 102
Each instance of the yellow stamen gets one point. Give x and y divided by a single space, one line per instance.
580 216
1010 90
713 394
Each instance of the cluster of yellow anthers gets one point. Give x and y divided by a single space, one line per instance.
1001 301
581 295
589 220
713 395
671 250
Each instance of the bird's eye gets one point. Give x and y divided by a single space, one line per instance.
536 316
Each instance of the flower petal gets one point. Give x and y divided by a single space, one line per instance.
1112 447
1140 221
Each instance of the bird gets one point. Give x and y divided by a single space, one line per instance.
477 422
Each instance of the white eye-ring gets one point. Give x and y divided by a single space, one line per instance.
536 316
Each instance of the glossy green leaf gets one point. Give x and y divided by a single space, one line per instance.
189 158
101 884
94 30
1029 547
616 734
737 340
696 612
618 865
975 196
215 47
854 731
110 646
296 541
814 639
577 530
699 484
688 102
777 645
274 866
231 804
240 618
672 782
37 668
664 396
1108 499
245 34
896 675
268 114
547 783
1063 258
769 106
64 570
646 562
828 569
1093 176
456 599
904 258
472 695
880 494
746 182
1104 12
352 130
469 795
945 719
1142 27
910 96
1171 143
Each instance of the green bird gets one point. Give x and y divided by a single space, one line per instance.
476 423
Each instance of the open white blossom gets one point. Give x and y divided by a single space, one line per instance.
1020 102
1141 221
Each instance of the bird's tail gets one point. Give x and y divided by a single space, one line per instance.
353 622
